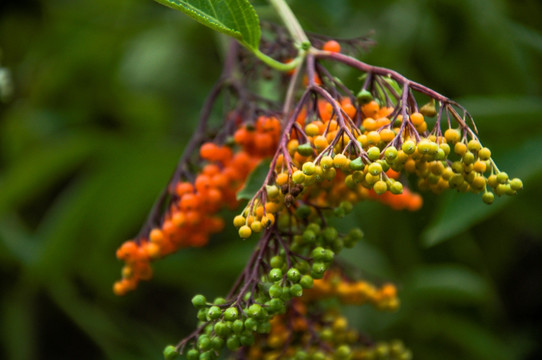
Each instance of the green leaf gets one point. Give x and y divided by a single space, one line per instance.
236 18
458 212
447 283
255 181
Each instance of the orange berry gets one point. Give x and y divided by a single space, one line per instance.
208 150
203 183
371 109
332 46
387 135
156 236
320 142
183 188
281 179
416 119
178 219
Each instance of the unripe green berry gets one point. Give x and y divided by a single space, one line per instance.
306 281
199 301
298 177
330 233
488 197
318 270
502 177
373 153
318 253
375 169
204 343
251 324
309 236
293 275
254 310
275 275
170 352
516 184
276 261
247 339
309 168
409 147
364 96
233 343
390 153
221 329
484 154
214 312
326 162
231 314
396 188
346 206
192 354
217 343
296 290
238 326
380 187
275 291
356 164
305 149
343 352
474 146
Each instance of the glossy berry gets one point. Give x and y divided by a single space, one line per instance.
332 46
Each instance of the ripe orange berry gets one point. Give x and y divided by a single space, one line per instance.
208 150
332 46
184 188
416 119
371 109
282 179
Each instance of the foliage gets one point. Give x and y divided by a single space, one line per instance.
102 107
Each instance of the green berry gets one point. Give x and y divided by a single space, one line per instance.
221 329
204 343
373 153
293 275
318 254
231 314
217 343
275 275
484 154
233 343
296 290
298 177
380 187
170 352
346 206
390 153
356 164
254 310
409 147
502 177
330 233
238 326
364 96
306 281
309 168
375 169
251 324
396 188
488 197
275 291
276 261
214 312
199 301
318 270
516 184
192 354
305 149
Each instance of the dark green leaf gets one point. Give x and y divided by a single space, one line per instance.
236 18
254 181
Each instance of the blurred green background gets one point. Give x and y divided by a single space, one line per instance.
105 96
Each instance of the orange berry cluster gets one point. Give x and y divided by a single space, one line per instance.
191 217
358 292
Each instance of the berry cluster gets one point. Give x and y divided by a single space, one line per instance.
191 217
334 148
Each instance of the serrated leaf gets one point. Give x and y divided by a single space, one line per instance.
236 18
255 181
458 212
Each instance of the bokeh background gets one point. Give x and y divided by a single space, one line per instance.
105 95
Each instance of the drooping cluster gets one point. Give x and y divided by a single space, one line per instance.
334 148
